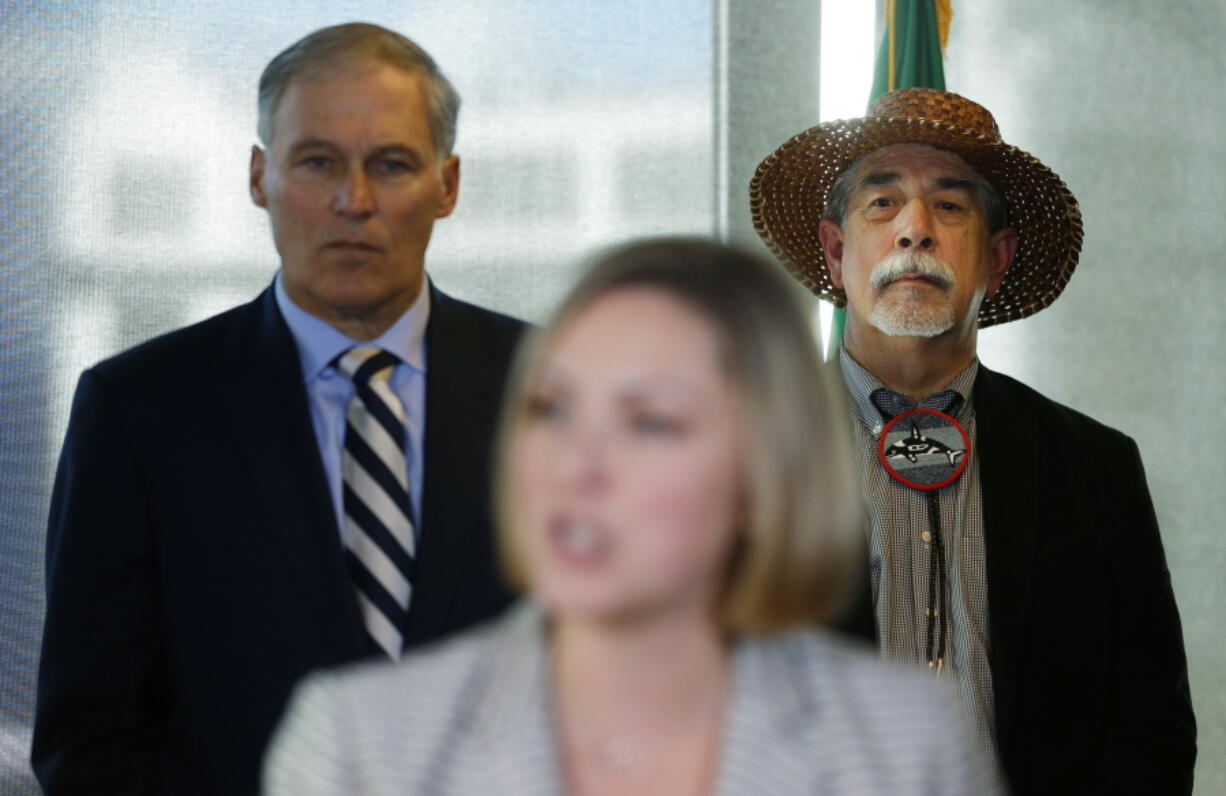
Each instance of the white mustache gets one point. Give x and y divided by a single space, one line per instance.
910 261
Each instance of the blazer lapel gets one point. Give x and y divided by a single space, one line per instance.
268 408
1009 471
767 742
510 719
461 404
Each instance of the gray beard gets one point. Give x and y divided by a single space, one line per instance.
904 316
900 311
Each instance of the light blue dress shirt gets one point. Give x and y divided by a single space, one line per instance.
329 390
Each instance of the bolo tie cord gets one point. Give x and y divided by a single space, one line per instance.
893 407
938 593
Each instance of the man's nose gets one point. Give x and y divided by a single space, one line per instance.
354 196
914 227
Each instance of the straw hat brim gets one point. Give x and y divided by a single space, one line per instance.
787 198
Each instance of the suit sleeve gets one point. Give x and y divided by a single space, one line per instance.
1151 731
311 753
101 698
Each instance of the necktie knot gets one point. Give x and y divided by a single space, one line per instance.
363 363
891 403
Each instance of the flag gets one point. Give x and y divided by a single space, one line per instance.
910 57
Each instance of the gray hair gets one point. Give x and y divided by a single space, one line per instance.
840 193
331 49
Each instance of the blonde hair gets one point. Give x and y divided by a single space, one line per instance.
802 545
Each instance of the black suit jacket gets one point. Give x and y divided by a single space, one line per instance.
1088 667
194 567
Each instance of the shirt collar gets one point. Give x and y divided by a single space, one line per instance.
861 383
319 343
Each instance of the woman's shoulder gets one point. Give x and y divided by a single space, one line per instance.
845 693
383 722
845 670
882 727
435 676
435 670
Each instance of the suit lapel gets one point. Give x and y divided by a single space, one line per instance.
269 412
461 404
1009 471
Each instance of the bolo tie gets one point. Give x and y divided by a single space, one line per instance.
924 448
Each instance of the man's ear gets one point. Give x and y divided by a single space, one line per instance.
831 236
1001 248
255 177
450 168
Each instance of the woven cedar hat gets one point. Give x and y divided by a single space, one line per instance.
787 195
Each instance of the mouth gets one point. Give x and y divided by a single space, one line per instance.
352 246
915 278
579 542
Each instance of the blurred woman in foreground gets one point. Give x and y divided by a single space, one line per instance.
676 502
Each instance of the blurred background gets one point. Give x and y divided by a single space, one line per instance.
126 126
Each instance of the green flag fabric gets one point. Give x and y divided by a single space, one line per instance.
917 50
913 36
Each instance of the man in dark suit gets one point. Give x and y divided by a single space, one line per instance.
296 483
1012 544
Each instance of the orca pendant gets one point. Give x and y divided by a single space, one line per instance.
924 449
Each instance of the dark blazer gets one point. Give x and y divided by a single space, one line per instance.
1088 666
194 567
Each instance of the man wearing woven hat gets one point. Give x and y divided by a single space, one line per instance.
1013 546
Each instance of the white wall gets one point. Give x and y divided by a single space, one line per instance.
1124 99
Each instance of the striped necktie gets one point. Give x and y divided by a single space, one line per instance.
379 532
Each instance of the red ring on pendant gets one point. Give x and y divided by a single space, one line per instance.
897 476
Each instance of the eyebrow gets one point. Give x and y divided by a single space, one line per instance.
943 183
386 149
881 178
312 143
398 149
645 389
958 184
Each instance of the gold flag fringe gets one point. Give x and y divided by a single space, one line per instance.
945 15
